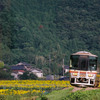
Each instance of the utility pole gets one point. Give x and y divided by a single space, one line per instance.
49 63
63 67
0 41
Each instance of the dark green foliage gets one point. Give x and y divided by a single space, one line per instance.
26 75
44 98
49 30
5 75
33 76
1 64
2 97
83 95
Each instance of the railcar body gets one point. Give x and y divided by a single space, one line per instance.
83 69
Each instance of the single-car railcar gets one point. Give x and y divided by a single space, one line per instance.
83 69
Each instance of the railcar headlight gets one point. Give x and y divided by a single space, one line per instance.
74 74
90 75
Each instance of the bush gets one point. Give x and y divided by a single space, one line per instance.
83 95
44 98
2 97
26 75
5 75
1 64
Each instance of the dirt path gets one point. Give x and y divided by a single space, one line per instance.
91 88
76 89
84 89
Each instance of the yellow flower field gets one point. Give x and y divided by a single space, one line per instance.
21 87
34 83
17 92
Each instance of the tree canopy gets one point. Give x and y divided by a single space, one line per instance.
43 32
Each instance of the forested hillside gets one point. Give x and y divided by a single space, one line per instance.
43 32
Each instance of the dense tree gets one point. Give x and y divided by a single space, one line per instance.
26 75
4 75
43 32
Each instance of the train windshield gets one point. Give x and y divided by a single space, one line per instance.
92 63
74 62
83 62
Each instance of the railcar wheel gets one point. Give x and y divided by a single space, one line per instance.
96 84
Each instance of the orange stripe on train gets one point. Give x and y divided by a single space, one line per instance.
82 72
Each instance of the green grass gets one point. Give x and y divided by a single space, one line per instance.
10 97
58 94
67 94
83 95
64 94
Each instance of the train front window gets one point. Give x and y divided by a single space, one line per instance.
83 62
92 63
74 62
79 62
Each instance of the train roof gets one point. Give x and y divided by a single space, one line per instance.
84 53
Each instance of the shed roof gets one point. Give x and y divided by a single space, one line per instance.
18 67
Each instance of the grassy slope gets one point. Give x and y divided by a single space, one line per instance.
78 95
57 95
